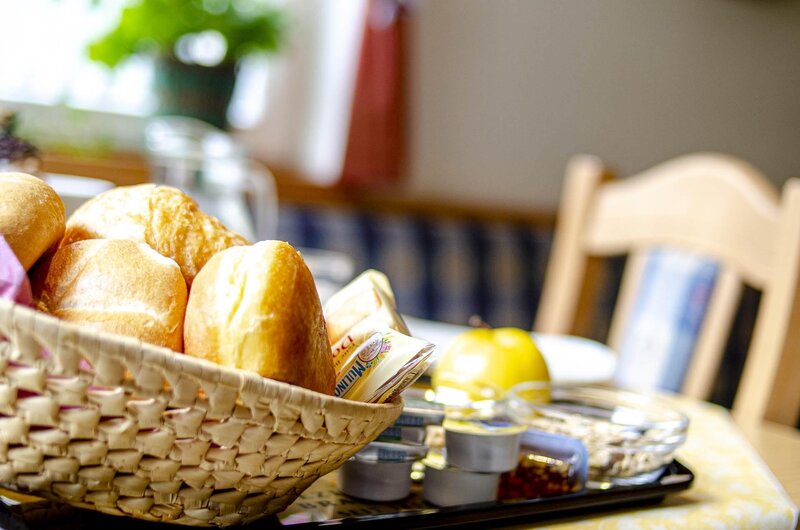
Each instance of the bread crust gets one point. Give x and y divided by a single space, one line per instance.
163 217
257 308
118 286
31 216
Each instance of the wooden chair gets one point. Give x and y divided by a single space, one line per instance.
707 203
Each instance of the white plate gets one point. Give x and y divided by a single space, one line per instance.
570 359
75 190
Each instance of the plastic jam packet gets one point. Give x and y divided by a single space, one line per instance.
368 295
549 464
382 366
346 349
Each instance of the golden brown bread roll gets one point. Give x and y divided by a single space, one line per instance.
118 286
163 217
257 308
31 216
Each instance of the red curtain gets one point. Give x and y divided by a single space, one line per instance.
376 141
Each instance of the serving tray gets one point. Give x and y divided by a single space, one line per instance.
324 505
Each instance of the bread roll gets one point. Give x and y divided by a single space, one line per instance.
118 286
31 216
257 308
163 217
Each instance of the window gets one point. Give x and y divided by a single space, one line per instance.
67 101
45 73
44 59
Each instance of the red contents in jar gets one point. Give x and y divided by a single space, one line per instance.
538 476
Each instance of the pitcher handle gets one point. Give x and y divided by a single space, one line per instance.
261 184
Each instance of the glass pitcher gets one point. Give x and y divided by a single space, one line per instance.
216 171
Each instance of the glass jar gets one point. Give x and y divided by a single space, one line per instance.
216 171
630 437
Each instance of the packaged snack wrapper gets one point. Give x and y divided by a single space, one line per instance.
373 353
385 362
369 296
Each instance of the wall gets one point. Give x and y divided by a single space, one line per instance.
503 92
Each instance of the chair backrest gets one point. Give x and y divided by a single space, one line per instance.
712 205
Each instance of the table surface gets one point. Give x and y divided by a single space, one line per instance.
779 447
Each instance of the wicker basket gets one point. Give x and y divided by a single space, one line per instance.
111 424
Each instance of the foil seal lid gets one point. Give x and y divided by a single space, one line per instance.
483 427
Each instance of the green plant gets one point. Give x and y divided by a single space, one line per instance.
12 147
155 27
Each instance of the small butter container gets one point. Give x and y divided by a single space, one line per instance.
390 452
419 413
483 445
446 485
406 435
375 481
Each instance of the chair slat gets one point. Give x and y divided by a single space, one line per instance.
705 362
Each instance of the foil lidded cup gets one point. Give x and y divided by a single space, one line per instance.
379 481
485 446
447 485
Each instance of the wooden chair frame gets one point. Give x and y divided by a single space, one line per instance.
708 203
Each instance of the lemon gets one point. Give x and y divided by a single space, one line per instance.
482 364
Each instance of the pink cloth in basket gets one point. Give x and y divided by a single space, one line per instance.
14 283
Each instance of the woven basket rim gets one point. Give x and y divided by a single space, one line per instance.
200 368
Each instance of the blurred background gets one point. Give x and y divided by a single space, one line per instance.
495 96
427 139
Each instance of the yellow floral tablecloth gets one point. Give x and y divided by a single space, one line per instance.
733 488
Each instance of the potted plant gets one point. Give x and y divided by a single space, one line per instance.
197 45
16 154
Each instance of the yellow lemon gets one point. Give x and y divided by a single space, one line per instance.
485 363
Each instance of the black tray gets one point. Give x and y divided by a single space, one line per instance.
323 505
339 509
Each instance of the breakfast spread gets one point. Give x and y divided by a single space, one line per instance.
145 262
504 433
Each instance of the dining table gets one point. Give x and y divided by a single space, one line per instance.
733 488
742 477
